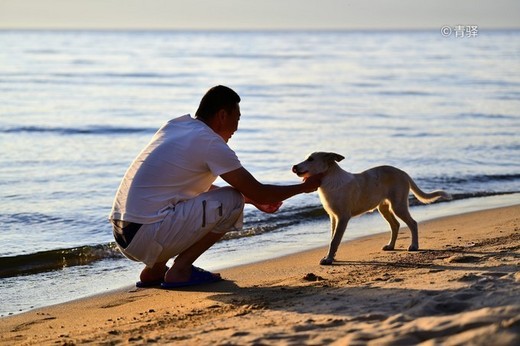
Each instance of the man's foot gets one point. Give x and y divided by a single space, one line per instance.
152 276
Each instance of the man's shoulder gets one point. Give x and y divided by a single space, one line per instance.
186 118
182 123
186 129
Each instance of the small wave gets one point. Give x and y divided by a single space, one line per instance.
28 218
56 259
43 51
257 225
464 195
44 261
487 116
458 196
411 134
481 178
508 96
404 93
110 75
138 75
91 130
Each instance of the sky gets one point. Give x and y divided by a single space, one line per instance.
257 14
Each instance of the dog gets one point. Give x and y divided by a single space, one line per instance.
345 195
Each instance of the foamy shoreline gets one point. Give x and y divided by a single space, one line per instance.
461 288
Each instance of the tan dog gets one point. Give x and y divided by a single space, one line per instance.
345 195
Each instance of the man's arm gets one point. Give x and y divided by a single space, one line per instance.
244 182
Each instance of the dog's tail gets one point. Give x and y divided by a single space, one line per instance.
428 197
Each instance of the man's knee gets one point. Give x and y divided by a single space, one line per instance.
232 197
232 209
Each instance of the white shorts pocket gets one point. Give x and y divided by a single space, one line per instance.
211 213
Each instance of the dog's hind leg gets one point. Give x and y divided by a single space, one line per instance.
337 235
384 210
402 212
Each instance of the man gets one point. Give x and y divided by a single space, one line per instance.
167 205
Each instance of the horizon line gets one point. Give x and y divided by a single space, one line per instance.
302 29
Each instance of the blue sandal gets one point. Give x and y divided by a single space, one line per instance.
198 276
145 284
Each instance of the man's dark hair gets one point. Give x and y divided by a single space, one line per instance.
217 98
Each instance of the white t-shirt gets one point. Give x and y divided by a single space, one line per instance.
182 160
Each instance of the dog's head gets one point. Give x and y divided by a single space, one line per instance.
316 163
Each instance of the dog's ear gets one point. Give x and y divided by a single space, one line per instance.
334 157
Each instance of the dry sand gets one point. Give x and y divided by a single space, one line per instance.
461 288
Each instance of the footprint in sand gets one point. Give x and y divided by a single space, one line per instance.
26 325
463 259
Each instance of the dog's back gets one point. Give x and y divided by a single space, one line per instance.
359 193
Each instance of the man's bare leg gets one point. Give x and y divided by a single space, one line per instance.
181 268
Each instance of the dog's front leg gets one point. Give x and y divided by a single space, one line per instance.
337 234
333 223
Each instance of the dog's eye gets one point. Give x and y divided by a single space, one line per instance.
310 159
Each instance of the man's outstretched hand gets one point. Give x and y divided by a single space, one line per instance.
313 182
266 208
310 184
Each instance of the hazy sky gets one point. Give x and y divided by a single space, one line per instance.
258 14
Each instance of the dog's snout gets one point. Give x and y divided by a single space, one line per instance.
295 169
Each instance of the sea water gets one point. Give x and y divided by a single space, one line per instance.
77 106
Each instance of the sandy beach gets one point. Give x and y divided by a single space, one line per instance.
462 288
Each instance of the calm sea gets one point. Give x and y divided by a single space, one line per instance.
76 107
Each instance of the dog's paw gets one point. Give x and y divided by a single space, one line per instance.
387 248
325 261
413 248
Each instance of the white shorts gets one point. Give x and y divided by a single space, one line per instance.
219 211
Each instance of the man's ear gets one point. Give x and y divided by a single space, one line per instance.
221 116
334 157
